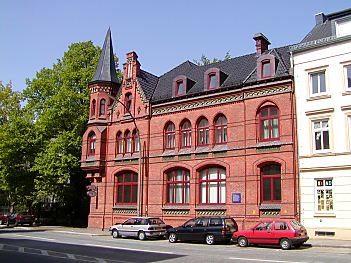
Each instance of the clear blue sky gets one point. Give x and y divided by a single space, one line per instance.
34 34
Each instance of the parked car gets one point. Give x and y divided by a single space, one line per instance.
209 229
286 233
21 219
140 227
3 218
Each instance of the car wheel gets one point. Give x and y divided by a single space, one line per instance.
210 239
242 242
115 233
172 238
285 244
141 235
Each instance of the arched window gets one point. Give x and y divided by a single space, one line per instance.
93 108
170 136
178 185
128 102
212 81
91 143
102 107
221 130
202 132
179 88
128 142
270 183
119 143
185 134
269 123
127 188
136 143
212 185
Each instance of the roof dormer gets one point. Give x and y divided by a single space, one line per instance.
213 78
181 85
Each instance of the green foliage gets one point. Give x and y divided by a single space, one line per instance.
205 60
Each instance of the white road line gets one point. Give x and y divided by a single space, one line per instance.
1 246
70 256
266 260
21 249
100 260
130 249
44 252
71 232
32 237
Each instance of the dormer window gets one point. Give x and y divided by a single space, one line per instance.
213 78
179 88
212 81
266 65
266 69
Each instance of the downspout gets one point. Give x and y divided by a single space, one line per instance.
296 160
146 159
245 170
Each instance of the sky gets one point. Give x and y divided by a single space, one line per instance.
164 34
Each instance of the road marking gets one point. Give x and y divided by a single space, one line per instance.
100 260
40 238
1 246
130 249
74 233
266 260
70 256
21 249
44 252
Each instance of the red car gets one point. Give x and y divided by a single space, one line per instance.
283 232
3 218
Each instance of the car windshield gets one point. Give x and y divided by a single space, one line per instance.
296 225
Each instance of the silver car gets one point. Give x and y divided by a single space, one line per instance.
140 227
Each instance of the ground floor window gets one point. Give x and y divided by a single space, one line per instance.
324 195
178 185
270 183
127 188
212 185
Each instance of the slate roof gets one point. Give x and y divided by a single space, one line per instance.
324 25
106 68
239 71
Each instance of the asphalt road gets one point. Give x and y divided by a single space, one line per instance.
35 245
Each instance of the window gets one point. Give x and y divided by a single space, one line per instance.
185 134
318 85
119 143
179 88
324 194
264 226
270 183
91 143
343 27
102 107
136 142
281 226
320 135
221 130
93 108
347 72
269 123
202 132
212 81
128 142
266 69
212 185
126 188
128 103
170 136
178 185
349 120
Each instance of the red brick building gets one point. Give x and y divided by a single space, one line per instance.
217 139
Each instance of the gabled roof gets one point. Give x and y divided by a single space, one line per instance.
148 83
324 25
106 67
239 71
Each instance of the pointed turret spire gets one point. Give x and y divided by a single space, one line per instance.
105 69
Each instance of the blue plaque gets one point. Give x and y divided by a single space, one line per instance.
236 198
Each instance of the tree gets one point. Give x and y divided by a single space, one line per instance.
16 149
205 60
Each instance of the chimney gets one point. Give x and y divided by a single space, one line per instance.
262 43
320 18
132 67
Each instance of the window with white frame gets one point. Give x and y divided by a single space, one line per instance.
320 135
318 83
324 195
347 72
343 27
349 123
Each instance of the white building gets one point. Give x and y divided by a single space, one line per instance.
322 71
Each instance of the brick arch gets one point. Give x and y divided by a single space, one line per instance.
182 122
208 163
265 104
172 166
261 162
118 170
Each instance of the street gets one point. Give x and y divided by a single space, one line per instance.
38 244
